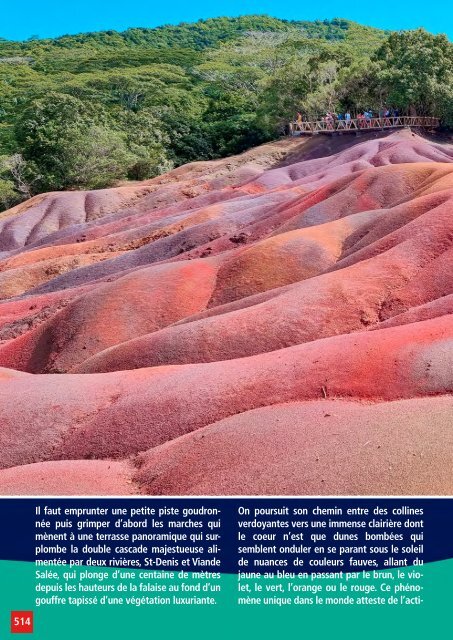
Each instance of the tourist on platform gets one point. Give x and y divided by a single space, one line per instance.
299 121
341 121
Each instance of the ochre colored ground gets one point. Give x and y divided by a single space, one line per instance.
278 322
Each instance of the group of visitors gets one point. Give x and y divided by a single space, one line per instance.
340 120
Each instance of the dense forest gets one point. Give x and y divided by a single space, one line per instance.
84 111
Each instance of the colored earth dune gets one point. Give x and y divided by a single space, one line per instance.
278 323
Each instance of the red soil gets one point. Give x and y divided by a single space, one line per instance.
328 447
257 280
81 477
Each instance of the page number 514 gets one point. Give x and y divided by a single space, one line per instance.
21 621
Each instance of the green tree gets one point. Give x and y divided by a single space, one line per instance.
8 194
67 144
416 72
14 185
147 142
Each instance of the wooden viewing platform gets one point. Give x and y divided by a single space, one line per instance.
361 124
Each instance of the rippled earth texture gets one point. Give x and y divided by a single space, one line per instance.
278 322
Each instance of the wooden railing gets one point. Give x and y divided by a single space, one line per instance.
361 124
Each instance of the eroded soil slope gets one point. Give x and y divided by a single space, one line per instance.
278 322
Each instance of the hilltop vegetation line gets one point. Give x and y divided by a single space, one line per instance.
87 110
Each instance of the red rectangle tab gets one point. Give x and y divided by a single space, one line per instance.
21 621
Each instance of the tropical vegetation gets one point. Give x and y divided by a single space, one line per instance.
86 111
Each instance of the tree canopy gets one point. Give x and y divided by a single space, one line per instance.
87 110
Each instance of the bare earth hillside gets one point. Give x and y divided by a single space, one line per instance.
278 322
